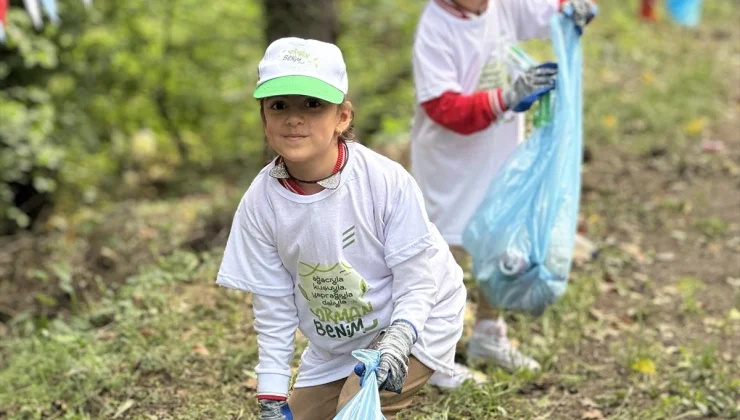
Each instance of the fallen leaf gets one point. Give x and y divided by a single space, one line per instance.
714 248
695 126
588 402
105 335
607 288
592 414
678 235
645 366
712 322
634 251
123 408
730 166
147 232
609 121
201 349
75 371
662 300
250 384
479 377
641 277
593 219
608 76
596 314
648 78
671 290
733 315
186 334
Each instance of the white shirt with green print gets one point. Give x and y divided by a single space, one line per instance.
340 265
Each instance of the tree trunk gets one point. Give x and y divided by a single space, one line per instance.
311 19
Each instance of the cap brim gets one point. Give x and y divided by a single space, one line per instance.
299 85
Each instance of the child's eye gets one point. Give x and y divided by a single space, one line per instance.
278 105
313 103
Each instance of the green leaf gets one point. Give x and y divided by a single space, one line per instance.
45 300
303 292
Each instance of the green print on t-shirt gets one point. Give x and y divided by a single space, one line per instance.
494 75
336 296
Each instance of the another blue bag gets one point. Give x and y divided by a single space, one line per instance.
522 235
366 404
685 12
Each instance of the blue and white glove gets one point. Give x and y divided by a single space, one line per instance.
394 345
581 11
275 410
530 86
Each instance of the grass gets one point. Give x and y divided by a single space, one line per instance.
125 320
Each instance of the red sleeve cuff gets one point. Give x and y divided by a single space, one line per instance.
463 114
271 397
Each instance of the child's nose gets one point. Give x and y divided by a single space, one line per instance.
295 118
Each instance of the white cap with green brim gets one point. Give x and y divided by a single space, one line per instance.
295 66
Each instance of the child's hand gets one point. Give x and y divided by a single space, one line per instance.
530 86
394 347
581 11
275 410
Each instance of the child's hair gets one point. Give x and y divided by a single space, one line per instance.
346 135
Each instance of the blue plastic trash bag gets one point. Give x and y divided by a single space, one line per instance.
366 404
684 12
522 235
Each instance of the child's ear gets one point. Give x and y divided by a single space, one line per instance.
345 116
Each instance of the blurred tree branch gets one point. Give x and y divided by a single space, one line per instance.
372 123
161 97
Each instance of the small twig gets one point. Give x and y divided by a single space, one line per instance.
688 414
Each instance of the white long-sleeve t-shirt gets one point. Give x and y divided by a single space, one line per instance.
452 54
341 265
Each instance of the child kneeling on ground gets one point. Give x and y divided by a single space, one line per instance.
333 239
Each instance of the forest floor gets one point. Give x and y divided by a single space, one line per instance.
113 313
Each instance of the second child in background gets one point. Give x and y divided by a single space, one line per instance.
468 120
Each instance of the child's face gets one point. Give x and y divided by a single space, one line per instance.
300 128
474 6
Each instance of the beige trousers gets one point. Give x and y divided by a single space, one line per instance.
323 402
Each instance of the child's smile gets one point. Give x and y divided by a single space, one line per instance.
303 130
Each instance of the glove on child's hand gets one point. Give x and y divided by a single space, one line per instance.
530 86
581 11
275 410
394 347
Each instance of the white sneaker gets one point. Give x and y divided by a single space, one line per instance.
489 342
461 374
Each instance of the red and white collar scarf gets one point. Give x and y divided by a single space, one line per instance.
452 8
280 172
